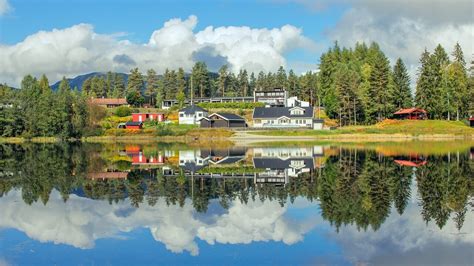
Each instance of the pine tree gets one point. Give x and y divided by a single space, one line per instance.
243 83
293 84
180 83
200 76
281 78
151 86
252 83
119 87
346 84
64 109
109 84
378 106
135 81
223 79
456 84
402 97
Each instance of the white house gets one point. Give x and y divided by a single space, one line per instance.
191 115
283 117
293 101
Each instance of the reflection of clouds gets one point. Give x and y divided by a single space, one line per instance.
81 221
408 236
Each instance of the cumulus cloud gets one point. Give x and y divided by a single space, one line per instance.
4 7
82 221
407 239
78 49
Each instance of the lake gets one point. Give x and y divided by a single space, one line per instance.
409 203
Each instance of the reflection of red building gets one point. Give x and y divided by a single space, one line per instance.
141 117
410 161
411 114
138 157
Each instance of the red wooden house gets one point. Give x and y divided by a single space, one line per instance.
411 114
141 117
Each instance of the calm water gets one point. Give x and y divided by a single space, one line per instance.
401 204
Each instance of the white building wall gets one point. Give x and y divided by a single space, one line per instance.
190 119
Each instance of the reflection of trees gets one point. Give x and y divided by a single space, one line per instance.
355 187
444 187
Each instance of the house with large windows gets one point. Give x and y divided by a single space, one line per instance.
283 117
191 115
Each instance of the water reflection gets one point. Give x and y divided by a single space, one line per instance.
368 199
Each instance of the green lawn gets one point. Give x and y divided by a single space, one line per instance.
408 127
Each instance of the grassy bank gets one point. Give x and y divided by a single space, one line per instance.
388 127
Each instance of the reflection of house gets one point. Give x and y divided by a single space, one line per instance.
411 160
283 117
410 113
139 158
275 97
191 115
141 117
109 102
282 163
471 121
192 160
107 175
222 120
224 156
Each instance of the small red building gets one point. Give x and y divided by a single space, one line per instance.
141 117
411 114
134 125
140 158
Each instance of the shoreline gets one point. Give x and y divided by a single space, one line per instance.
246 137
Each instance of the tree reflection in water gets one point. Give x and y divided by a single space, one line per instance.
354 186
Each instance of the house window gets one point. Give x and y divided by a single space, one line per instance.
199 114
181 115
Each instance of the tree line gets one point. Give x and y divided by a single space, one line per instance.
37 110
358 86
152 89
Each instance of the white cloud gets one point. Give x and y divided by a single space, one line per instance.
4 7
78 49
81 221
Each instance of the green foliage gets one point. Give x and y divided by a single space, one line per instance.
123 111
134 98
402 97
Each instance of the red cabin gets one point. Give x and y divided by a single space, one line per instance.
141 117
142 159
411 114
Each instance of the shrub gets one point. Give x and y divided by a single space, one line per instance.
123 111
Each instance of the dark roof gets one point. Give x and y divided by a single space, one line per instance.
192 109
277 163
276 112
409 111
229 160
229 116
109 101
192 167
130 123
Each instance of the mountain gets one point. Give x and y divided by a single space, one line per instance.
79 80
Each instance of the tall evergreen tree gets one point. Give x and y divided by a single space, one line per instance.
135 81
223 79
243 83
151 86
402 97
200 76
281 78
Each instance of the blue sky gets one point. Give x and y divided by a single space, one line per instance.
68 38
